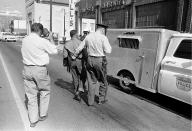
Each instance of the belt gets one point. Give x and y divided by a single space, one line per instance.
97 56
36 65
76 59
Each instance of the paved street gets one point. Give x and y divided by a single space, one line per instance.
123 112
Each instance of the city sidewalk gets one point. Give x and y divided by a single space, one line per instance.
10 119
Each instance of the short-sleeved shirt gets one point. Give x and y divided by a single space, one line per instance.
35 50
71 46
97 44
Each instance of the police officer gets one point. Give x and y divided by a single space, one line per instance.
97 45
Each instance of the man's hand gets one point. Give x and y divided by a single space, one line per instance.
50 38
73 57
60 48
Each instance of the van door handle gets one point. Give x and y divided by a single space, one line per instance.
171 62
142 56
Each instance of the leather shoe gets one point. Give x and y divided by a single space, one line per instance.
42 118
77 97
33 124
102 102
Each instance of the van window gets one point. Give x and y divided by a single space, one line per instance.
129 43
184 50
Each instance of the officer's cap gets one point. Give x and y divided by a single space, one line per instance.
85 31
102 26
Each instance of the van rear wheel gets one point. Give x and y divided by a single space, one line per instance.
126 85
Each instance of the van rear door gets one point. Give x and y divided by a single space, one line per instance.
146 58
175 79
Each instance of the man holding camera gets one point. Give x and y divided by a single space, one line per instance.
35 52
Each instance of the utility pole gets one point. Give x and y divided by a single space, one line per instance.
51 15
98 12
64 23
133 11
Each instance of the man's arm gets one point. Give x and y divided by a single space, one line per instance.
79 48
49 47
65 53
60 48
106 45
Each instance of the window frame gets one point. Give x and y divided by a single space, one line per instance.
120 37
179 47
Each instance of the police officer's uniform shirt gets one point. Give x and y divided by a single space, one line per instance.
35 50
97 44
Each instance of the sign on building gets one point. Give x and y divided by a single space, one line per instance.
72 14
88 25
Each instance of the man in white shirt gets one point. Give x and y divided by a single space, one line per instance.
97 45
35 52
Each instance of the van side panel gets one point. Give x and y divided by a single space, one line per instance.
130 59
163 44
120 58
175 77
148 51
143 62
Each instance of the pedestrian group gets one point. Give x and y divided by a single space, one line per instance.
85 58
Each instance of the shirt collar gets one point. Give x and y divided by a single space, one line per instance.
98 32
34 34
74 38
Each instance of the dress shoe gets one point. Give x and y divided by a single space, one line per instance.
102 102
42 118
34 124
77 98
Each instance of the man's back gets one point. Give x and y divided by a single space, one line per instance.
97 44
72 45
35 50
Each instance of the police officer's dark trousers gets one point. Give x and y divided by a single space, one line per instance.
95 75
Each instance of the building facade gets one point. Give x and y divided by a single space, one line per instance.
6 18
169 14
60 20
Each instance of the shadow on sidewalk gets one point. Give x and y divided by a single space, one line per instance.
69 87
65 85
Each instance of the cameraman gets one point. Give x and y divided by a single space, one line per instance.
35 52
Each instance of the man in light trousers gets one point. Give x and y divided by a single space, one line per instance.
35 52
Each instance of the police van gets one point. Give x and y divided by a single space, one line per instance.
156 60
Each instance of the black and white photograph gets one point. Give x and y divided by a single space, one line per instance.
95 65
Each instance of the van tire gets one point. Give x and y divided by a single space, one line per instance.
128 87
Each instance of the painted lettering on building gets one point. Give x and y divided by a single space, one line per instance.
72 14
